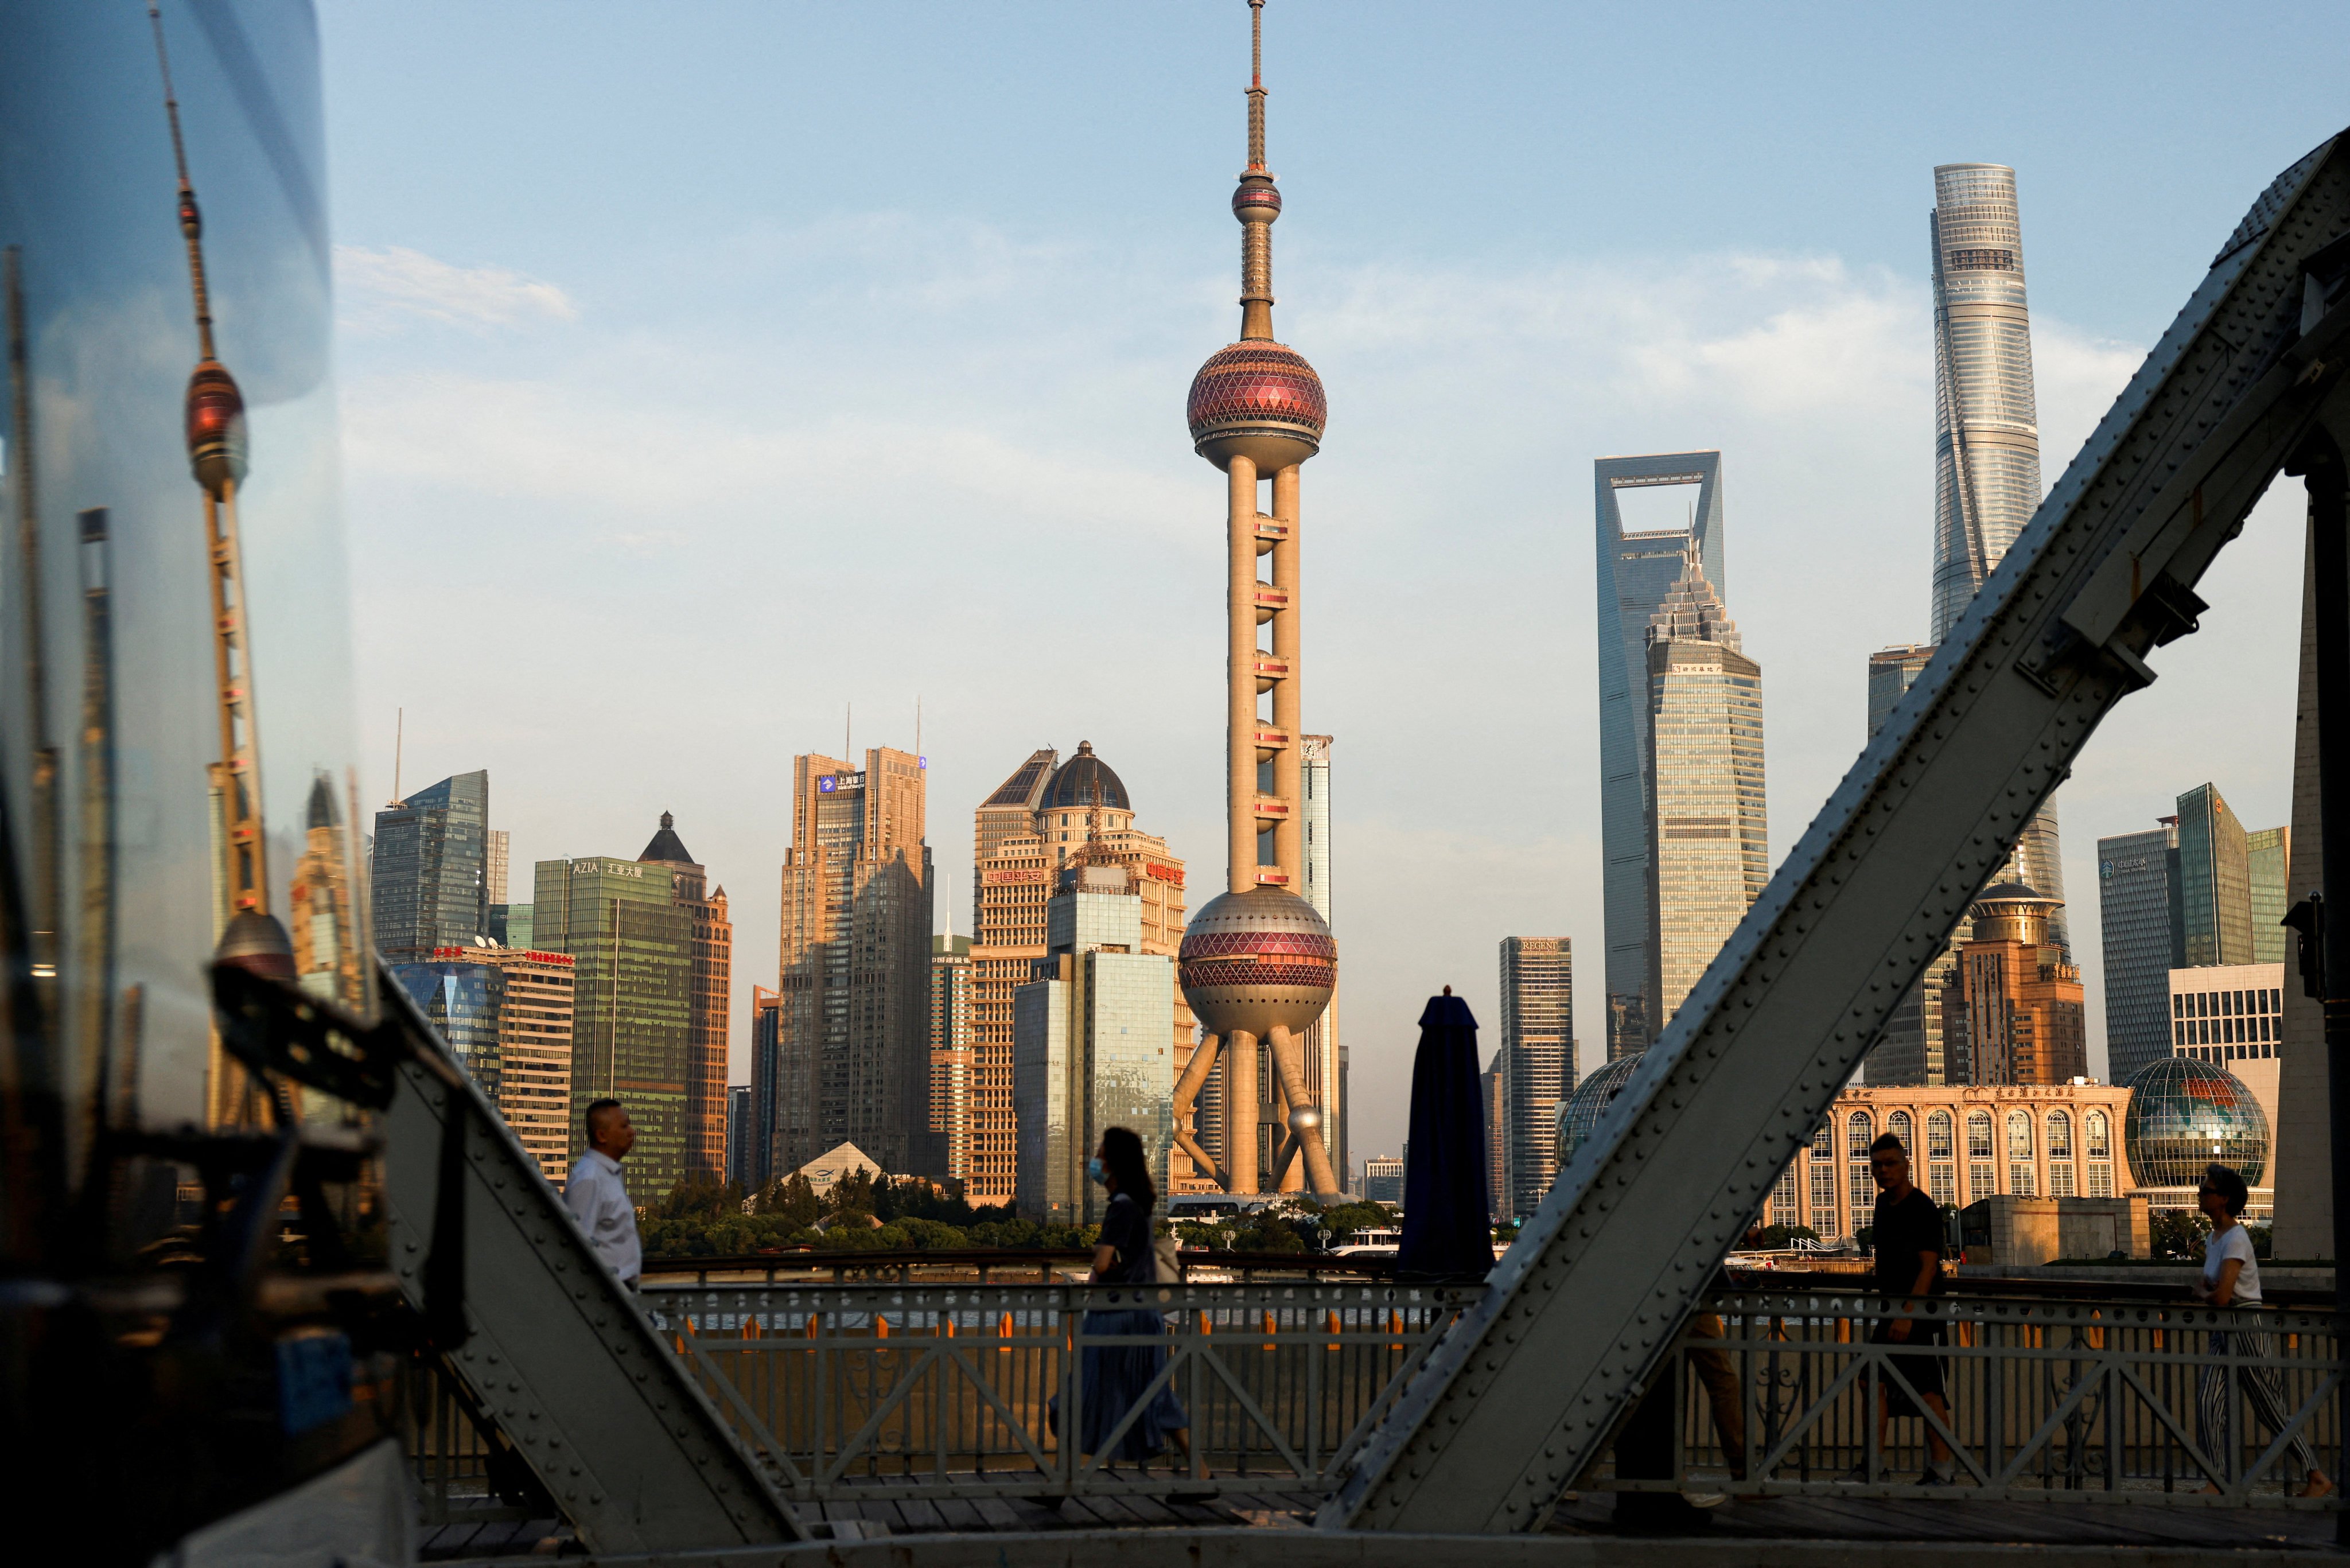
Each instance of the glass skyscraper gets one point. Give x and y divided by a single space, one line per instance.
1986 431
2215 882
1537 1064
462 1002
431 869
633 1037
1637 570
1708 824
1091 1046
2268 855
2137 878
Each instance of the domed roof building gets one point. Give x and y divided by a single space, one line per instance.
2185 1114
1086 782
1580 1112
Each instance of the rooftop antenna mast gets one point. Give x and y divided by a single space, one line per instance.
399 739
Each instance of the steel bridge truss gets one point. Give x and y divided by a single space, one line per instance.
1523 1395
654 1445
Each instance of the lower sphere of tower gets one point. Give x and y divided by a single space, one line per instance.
1256 962
1303 1119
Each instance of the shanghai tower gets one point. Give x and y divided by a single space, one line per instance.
1986 428
1986 488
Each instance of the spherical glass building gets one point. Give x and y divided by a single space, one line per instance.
1581 1111
2185 1114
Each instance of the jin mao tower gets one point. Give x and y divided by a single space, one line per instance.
1258 963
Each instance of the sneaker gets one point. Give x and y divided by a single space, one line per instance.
1933 1477
1705 1499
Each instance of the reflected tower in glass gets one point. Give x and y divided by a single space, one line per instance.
138 840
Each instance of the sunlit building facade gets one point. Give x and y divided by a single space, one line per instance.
1537 1064
1708 852
1045 816
2012 1007
852 1058
1966 1143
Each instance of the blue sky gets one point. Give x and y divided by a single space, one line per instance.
707 368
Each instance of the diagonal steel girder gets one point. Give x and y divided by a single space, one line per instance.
556 1352
1527 1389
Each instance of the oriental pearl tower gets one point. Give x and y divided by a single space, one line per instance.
1258 963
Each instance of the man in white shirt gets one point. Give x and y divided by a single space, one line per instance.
600 1198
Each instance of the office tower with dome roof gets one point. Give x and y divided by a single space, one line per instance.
1258 963
1045 818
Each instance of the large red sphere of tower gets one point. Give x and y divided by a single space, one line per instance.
215 419
1256 962
1257 400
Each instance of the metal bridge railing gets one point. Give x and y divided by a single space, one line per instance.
461 1464
966 1390
2130 1401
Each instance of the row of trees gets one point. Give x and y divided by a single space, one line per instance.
862 1213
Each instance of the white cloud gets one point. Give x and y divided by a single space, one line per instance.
383 290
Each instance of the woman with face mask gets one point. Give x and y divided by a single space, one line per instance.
1117 1376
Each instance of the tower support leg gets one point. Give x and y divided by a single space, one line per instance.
1241 1112
1286 1051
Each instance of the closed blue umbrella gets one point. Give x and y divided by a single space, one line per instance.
1447 1233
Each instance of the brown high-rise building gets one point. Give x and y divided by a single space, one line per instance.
1046 816
2012 1011
852 1048
1258 962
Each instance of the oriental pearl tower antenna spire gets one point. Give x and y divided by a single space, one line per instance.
1258 963
250 936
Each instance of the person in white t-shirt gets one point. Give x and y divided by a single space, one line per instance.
2231 1277
598 1196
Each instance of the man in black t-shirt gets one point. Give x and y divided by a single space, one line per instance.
1908 1244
